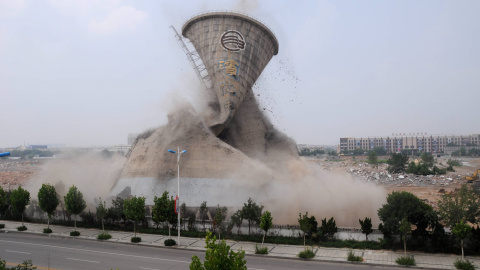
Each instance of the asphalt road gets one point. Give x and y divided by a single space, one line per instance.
66 253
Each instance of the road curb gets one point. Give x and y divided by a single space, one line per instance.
5 230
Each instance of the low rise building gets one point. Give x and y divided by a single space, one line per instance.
394 144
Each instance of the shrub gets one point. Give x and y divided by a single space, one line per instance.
75 233
170 242
261 250
454 162
136 239
352 258
406 261
464 265
47 230
21 228
104 236
306 254
2 226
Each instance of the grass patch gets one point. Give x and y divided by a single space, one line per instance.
2 226
306 254
169 242
405 261
47 230
75 233
352 244
261 250
352 258
21 228
464 265
104 236
136 239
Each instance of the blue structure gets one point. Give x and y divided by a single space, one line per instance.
5 154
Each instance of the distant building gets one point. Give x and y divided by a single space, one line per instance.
394 144
131 138
38 147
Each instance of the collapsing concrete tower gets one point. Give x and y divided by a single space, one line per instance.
232 138
235 49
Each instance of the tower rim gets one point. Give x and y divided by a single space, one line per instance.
231 14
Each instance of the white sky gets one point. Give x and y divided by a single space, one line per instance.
89 72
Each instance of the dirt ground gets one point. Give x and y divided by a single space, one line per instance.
16 172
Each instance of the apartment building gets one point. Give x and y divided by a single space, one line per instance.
393 144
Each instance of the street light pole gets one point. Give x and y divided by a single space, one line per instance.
178 183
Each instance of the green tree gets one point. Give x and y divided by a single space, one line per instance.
266 222
48 200
462 205
134 209
183 213
404 227
19 198
328 228
380 150
461 231
373 158
220 215
203 213
397 163
427 159
463 151
3 198
366 226
236 220
251 212
404 204
115 212
219 256
102 212
164 210
308 225
358 152
74 203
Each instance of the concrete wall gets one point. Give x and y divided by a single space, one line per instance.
230 85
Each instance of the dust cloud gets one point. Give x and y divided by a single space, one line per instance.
93 173
299 186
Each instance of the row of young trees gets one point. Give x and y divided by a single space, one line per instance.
48 200
458 210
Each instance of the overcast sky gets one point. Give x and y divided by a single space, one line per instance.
85 73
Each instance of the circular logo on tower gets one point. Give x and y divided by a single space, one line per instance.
232 41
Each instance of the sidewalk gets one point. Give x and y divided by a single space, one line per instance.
373 257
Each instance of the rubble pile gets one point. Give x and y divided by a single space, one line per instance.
17 172
365 172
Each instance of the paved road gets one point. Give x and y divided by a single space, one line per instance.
67 253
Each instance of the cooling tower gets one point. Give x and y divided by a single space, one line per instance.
235 49
231 146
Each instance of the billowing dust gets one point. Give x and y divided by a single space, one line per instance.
91 172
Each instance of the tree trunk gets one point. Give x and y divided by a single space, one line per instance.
22 220
169 232
248 227
263 239
405 245
134 230
303 239
75 222
103 226
48 221
366 237
461 243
